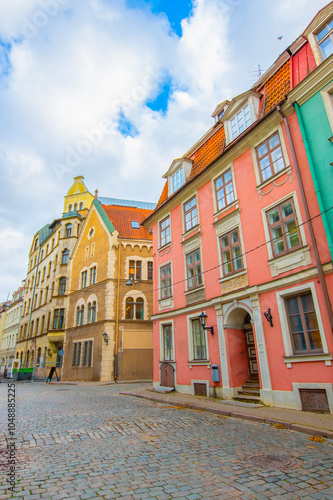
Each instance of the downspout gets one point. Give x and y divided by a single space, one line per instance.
309 222
117 320
314 176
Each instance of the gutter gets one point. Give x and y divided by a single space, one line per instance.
309 222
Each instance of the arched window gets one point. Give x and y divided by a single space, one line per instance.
32 361
139 308
129 308
89 312
27 356
81 205
21 357
62 286
77 315
65 256
70 208
39 355
68 230
75 207
93 312
134 309
81 315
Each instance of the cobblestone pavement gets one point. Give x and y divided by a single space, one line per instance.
83 442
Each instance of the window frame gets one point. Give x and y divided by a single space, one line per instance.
231 246
223 188
84 279
177 179
327 36
281 221
59 319
235 117
82 353
269 154
203 336
92 275
133 311
194 220
162 297
191 266
62 286
165 232
65 256
163 349
150 270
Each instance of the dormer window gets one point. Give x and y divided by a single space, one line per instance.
178 174
135 224
241 122
177 179
325 39
240 114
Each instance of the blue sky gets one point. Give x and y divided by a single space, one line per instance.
115 90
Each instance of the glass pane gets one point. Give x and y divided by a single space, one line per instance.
292 235
287 209
197 256
315 340
274 216
241 124
219 183
234 237
307 302
262 150
190 259
230 197
225 241
296 323
292 305
227 177
221 200
278 164
299 342
327 47
311 321
322 33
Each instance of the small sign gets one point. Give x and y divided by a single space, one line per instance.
61 352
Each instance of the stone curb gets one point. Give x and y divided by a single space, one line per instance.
305 429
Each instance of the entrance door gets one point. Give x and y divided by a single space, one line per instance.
167 375
251 350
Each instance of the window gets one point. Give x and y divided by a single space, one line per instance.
167 348
231 252
38 278
62 286
36 243
199 340
65 256
70 208
177 179
46 293
92 312
224 190
150 270
190 214
135 269
241 122
93 275
81 205
303 324
270 157
193 267
92 253
75 207
49 269
84 275
79 315
283 228
86 253
135 224
325 39
134 309
82 353
68 230
165 279
55 263
58 321
41 298
43 275
165 235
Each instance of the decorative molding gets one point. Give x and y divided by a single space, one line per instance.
289 261
192 242
227 223
195 296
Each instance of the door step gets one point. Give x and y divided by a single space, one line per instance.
249 392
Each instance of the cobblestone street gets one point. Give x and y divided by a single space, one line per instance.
84 441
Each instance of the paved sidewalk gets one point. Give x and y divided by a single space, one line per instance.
315 424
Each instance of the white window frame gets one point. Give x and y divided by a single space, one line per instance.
218 211
290 357
178 174
159 231
287 167
193 361
253 102
183 214
162 324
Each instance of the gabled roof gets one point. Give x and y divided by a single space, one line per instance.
120 218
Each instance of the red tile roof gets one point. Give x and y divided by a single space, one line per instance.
121 218
208 152
277 87
164 195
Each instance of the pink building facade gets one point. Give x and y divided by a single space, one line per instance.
243 277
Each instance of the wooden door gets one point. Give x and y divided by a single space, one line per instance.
251 352
167 375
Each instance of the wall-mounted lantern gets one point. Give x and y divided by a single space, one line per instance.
106 338
203 318
269 316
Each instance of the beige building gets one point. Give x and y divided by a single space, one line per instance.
11 325
109 327
45 305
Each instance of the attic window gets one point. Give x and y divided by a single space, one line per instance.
219 116
135 224
241 121
177 179
325 39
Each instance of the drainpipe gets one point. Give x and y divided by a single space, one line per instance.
314 176
309 222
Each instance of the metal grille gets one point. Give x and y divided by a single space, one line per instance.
200 389
167 375
275 462
314 400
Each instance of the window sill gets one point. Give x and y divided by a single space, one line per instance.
199 362
188 233
165 247
170 361
286 170
222 211
233 275
306 358
291 260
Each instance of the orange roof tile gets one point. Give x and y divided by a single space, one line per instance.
164 195
121 218
277 87
208 152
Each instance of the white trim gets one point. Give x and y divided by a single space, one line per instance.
193 246
189 319
159 232
161 299
327 96
161 359
135 294
288 349
197 225
219 211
